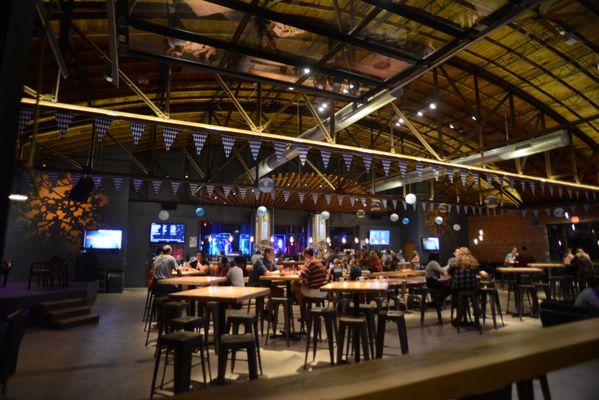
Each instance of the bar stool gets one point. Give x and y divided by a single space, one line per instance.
356 326
250 325
400 321
274 318
182 343
229 342
153 315
424 292
495 304
168 311
148 305
329 316
533 301
463 308
369 311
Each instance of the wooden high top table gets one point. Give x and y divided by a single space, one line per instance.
223 295
518 272
396 274
547 266
287 278
191 280
356 288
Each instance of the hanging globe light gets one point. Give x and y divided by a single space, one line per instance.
456 227
325 215
411 198
394 217
262 211
360 213
200 212
439 220
405 221
163 215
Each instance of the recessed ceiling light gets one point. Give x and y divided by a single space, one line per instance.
345 91
451 126
290 88
432 106
474 118
420 114
351 85
17 197
400 120
307 70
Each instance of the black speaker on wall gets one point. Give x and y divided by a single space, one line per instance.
82 189
169 205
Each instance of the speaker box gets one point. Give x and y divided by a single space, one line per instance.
169 205
82 189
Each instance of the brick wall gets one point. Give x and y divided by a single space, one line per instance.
502 232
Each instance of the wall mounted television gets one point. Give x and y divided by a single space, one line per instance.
430 243
379 237
167 233
102 239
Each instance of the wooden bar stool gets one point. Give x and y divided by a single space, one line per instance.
250 325
357 328
329 317
400 321
230 342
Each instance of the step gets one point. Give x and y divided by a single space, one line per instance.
75 321
58 304
65 313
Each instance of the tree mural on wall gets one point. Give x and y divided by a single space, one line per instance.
50 212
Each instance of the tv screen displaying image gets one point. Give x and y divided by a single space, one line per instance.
379 237
167 233
102 239
430 244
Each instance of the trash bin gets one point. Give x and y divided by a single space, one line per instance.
115 281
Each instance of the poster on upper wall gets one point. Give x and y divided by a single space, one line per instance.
192 241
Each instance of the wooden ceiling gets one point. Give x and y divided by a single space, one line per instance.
545 62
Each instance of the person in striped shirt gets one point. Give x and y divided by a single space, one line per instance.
313 276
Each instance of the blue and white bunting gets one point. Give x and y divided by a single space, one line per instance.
97 180
403 168
449 173
242 192
326 157
303 153
327 198
101 125
394 203
352 200
193 188
315 198
463 176
255 145
475 178
63 121
74 179
25 116
384 201
419 171
386 165
226 190
340 200
436 172
257 194
137 184
405 205
347 158
156 186
279 150
300 196
228 142
210 190
286 196
53 177
137 130
118 182
367 160
169 135
175 186
199 139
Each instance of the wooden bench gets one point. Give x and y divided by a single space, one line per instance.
478 367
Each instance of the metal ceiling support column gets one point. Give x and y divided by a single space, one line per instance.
438 113
322 176
420 138
43 17
327 135
129 154
573 161
234 100
479 117
112 41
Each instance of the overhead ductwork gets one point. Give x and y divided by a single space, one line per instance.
517 150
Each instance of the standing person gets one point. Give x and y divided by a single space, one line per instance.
374 262
255 256
163 268
264 265
224 266
510 258
236 272
313 276
524 258
568 257
415 260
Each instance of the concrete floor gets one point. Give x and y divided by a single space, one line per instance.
109 361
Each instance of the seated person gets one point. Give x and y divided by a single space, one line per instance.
580 265
354 270
163 268
432 272
374 262
589 298
451 260
236 272
264 265
336 271
524 258
463 274
415 260
224 266
510 258
313 276
255 256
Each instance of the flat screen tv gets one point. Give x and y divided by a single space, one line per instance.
102 239
167 233
430 243
379 237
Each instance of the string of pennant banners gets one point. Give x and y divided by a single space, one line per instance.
101 124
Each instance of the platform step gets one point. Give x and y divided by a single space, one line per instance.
75 321
60 304
65 313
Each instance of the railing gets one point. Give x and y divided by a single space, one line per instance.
478 367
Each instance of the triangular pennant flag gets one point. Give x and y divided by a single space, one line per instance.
465 210
386 164
340 200
257 195
573 209
423 205
156 185
327 198
352 200
175 186
405 205
449 206
63 121
255 145
475 178
53 177
210 190
226 190
347 157
548 212
523 185
137 184
463 176
228 142
542 188
551 191
577 193
74 179
273 194
315 197
560 191
586 208
301 197
367 160
414 206
570 193
511 182
199 139
193 188
394 203
403 168
363 201
24 118
419 171
118 182
457 208
101 125
533 187
169 135
286 196
436 172
303 153
432 208
97 181
326 157
279 150
137 129
586 195
489 179
242 192
384 201
450 174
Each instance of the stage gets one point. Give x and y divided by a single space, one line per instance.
15 295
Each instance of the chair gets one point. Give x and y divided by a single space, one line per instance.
274 317
531 294
230 342
182 343
9 352
422 295
43 272
400 321
250 325
313 327
462 304
355 327
495 305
